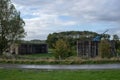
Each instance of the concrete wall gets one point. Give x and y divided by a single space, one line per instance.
87 48
25 48
90 49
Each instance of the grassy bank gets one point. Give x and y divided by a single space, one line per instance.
76 60
59 75
49 59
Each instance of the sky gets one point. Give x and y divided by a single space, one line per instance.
43 17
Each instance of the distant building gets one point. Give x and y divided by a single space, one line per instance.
90 49
29 48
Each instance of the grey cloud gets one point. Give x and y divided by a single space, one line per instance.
80 10
31 2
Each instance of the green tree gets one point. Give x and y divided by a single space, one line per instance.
11 25
104 49
62 49
117 44
116 37
70 36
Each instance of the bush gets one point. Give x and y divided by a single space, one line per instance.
68 61
104 49
62 50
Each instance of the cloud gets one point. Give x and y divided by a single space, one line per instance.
46 16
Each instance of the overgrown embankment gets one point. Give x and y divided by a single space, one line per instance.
52 60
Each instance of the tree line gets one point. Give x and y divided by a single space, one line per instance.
70 36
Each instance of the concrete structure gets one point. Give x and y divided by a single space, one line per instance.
87 48
90 49
29 48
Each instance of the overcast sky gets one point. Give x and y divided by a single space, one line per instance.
47 16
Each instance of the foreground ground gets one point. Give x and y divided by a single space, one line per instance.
17 74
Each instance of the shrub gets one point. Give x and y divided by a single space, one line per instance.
104 49
62 50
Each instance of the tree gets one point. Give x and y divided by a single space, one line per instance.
11 25
116 37
117 44
70 36
62 49
104 49
106 36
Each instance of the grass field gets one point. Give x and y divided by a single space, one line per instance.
48 58
16 74
35 56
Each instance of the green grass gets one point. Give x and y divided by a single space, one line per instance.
37 56
43 55
16 74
